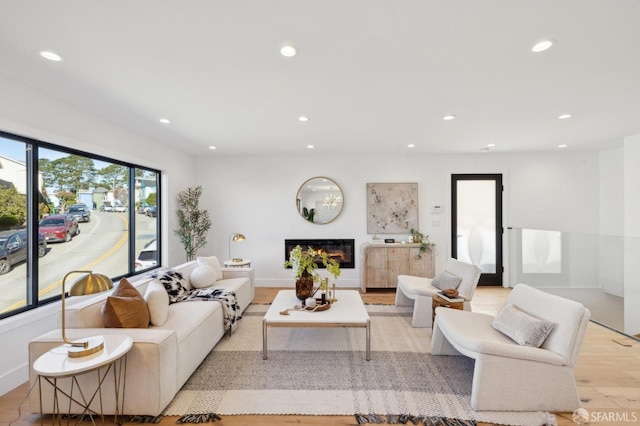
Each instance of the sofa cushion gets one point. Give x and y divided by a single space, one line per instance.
471 334
125 308
203 276
523 328
212 261
445 280
413 286
157 300
175 284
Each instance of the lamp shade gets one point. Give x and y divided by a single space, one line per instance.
90 284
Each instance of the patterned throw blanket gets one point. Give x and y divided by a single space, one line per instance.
175 284
227 298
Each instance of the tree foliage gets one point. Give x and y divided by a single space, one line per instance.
114 175
13 207
66 198
69 173
151 199
193 222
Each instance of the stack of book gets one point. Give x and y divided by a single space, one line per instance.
450 299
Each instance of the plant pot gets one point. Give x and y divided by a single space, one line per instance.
304 286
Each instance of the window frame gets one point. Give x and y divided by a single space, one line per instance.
32 151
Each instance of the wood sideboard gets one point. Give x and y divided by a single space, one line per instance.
383 262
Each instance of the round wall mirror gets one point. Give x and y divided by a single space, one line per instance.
319 200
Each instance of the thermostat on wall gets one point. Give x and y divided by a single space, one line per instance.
436 209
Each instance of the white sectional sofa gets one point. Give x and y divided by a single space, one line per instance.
162 358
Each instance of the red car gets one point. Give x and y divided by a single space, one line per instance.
59 227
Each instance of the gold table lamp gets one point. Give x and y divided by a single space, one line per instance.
235 237
88 284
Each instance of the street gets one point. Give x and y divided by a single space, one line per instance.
101 247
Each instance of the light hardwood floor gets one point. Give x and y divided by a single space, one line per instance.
607 374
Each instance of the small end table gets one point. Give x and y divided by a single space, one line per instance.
237 263
437 301
56 364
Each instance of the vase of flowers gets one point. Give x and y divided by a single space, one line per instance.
304 265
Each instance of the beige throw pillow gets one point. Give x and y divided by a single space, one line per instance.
125 308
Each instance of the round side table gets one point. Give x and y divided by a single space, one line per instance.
56 364
437 301
237 263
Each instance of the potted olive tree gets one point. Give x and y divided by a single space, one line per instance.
193 222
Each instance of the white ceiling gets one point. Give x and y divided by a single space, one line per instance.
371 75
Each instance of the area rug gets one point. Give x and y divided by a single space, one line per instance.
323 371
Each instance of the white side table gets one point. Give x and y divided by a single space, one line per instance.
56 364
237 263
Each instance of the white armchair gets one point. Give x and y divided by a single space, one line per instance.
417 291
511 376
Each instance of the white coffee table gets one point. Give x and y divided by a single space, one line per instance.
348 311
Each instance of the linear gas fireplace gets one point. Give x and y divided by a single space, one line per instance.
340 250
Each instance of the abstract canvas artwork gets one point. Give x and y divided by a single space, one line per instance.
392 208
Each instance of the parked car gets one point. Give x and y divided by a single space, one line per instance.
119 208
142 208
152 211
13 248
80 212
59 227
106 207
148 256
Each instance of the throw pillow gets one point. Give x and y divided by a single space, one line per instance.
157 300
445 280
524 329
212 261
125 308
174 283
203 276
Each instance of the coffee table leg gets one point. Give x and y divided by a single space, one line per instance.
368 340
264 339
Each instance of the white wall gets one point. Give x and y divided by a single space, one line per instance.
256 196
632 234
32 114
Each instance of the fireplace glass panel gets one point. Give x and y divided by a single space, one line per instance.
341 250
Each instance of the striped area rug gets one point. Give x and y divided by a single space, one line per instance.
323 371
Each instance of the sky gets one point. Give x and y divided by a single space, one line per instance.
15 151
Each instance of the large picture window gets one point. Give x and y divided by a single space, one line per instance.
63 210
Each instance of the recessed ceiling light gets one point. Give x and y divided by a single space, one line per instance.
164 121
303 118
564 116
543 45
564 145
212 147
491 145
51 56
448 117
288 51
310 146
411 145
